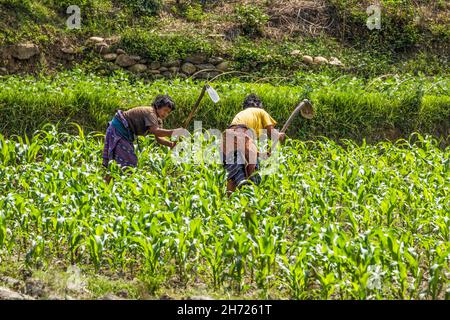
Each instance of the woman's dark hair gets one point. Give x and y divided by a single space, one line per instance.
162 101
252 101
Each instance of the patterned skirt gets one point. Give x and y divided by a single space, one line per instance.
117 147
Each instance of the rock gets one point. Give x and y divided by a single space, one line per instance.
3 71
120 51
125 61
6 294
135 57
207 75
200 298
68 50
206 66
182 76
110 56
223 66
112 40
154 71
35 288
196 58
123 293
163 69
295 53
188 68
24 51
308 59
110 296
215 60
96 39
174 69
138 68
173 63
320 60
102 47
335 62
158 76
143 61
113 67
154 65
167 74
16 284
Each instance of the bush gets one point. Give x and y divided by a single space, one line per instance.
194 12
144 7
83 4
252 19
399 30
247 56
16 4
162 47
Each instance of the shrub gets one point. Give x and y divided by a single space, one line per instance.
144 7
162 47
194 12
252 19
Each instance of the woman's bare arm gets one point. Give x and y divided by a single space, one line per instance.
277 135
165 142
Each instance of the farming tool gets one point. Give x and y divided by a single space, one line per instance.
306 110
212 95
211 92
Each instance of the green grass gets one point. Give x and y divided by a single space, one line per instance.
346 107
341 222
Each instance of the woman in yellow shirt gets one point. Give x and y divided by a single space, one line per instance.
239 152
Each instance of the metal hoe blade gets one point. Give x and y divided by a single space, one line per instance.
306 110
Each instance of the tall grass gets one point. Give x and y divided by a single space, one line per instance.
346 107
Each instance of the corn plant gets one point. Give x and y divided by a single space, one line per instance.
334 221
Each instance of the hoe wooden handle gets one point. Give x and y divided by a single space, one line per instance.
200 97
294 114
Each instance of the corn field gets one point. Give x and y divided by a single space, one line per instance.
335 221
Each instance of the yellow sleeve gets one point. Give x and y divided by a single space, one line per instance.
266 119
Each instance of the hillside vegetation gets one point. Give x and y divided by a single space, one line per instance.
257 35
